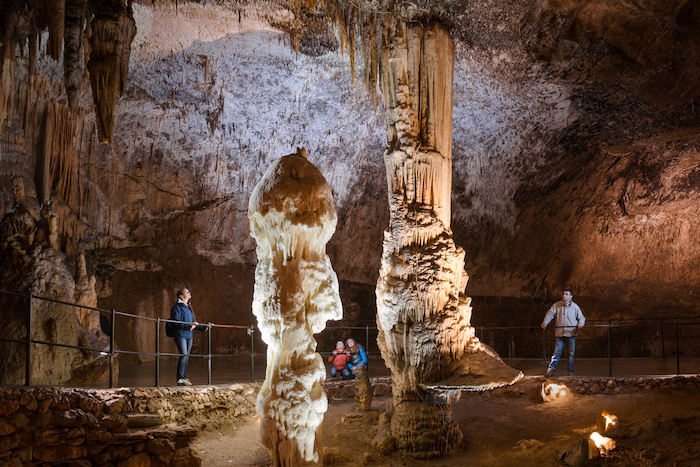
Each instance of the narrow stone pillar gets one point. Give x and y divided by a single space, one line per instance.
423 320
292 217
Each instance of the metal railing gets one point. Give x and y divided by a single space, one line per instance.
509 341
600 340
113 351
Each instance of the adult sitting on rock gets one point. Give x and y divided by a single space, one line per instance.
357 355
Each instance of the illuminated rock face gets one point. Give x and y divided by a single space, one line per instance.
292 217
425 334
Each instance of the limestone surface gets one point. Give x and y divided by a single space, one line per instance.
292 217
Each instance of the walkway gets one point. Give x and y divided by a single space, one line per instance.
228 370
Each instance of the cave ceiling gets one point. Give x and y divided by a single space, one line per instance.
575 132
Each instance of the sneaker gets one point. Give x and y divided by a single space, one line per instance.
184 382
569 373
549 373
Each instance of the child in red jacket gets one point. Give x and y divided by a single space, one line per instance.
340 359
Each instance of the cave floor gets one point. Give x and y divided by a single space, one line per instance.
655 427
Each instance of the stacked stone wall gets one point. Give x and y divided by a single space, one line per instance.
113 428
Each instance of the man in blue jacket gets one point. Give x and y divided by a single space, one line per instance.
182 312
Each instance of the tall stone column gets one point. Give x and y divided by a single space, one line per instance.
292 217
425 335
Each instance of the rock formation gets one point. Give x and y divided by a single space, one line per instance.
425 334
31 264
292 217
363 389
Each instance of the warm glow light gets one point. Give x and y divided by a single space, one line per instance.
603 443
555 390
610 420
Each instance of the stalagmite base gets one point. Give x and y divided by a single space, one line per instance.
292 217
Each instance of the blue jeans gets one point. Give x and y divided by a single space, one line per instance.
559 348
184 345
344 371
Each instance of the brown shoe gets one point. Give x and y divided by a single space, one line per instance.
549 373
569 373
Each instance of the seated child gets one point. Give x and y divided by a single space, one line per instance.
340 359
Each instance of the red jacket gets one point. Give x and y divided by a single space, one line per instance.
340 360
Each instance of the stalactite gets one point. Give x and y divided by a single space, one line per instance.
73 63
113 30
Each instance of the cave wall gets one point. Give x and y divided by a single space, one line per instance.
575 155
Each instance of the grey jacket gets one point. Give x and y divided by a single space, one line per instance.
566 318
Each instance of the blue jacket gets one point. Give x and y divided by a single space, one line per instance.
360 358
182 312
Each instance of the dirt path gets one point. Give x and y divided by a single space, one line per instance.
660 427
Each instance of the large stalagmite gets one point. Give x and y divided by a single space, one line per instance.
425 334
292 217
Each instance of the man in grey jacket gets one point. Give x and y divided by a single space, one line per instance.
568 319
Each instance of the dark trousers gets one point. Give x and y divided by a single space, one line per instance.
184 346
344 371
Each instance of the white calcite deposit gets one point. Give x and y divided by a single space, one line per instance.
292 217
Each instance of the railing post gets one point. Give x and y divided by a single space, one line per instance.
610 348
157 351
544 346
28 359
251 331
511 340
113 314
678 352
209 355
367 339
663 343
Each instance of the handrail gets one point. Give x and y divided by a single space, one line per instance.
677 322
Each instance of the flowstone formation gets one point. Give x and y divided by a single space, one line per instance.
292 217
425 335
33 263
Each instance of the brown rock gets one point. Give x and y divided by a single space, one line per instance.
141 459
384 442
113 421
382 389
163 433
44 406
69 418
114 406
42 420
59 453
131 437
8 442
14 462
143 420
7 407
99 436
94 449
160 446
86 403
185 457
6 428
58 436
24 455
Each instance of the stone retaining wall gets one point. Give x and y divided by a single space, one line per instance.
112 428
